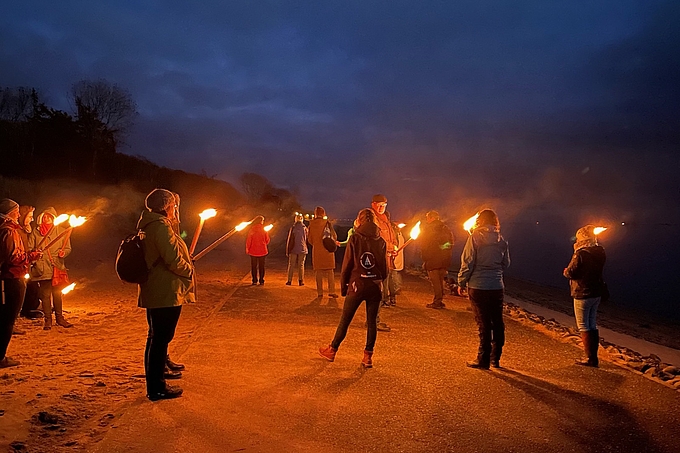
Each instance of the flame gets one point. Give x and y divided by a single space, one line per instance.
60 219
242 225
598 230
207 214
68 289
401 225
76 221
415 231
470 223
27 276
269 227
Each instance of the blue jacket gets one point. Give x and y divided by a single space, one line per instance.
297 240
484 259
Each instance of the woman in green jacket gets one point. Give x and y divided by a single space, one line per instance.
170 284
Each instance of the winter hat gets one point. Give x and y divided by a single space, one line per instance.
379 198
7 206
159 200
586 234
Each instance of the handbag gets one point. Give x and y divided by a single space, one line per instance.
59 276
328 239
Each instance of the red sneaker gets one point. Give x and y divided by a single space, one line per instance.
367 361
328 352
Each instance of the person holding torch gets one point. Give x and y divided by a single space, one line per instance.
485 257
256 248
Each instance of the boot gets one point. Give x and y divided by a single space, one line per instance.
496 352
478 364
48 322
7 362
328 352
61 321
591 342
174 366
169 392
171 374
367 361
595 345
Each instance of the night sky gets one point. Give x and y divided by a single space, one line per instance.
440 104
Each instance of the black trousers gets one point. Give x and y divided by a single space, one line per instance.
50 296
487 306
31 299
359 291
14 290
162 324
257 262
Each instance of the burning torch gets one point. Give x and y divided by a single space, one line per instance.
470 223
240 227
69 288
73 223
415 232
207 214
60 219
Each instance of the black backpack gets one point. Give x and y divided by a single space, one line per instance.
130 261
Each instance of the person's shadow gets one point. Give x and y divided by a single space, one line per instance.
597 425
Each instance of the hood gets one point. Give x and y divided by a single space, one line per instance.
24 211
50 210
368 229
147 217
487 234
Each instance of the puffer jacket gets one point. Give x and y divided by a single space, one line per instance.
297 240
365 257
585 272
485 257
13 256
42 269
257 240
322 259
436 245
171 271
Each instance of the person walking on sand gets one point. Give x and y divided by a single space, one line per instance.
14 264
587 288
364 268
485 257
169 285
296 249
436 249
323 260
50 270
256 247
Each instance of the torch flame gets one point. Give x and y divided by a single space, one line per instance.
68 289
470 223
60 219
207 214
76 221
269 227
27 276
242 225
401 225
415 231
598 230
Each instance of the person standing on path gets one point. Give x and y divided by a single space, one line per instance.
256 247
296 250
379 208
14 263
587 288
485 257
363 271
50 270
169 285
323 260
436 249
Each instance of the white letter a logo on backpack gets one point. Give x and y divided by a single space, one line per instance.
367 260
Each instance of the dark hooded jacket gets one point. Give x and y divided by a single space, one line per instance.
365 257
585 272
485 257
436 245
297 239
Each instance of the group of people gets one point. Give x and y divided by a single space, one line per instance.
32 269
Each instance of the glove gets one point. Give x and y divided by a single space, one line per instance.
34 255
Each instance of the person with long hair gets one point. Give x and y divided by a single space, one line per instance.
587 288
256 248
364 268
485 257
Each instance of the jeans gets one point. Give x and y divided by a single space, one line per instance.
13 291
585 311
487 306
51 297
390 285
257 262
436 277
296 261
330 276
162 324
359 291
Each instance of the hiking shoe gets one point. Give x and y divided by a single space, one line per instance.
384 304
367 361
288 283
477 364
382 327
61 321
328 352
170 374
436 306
8 362
174 366
170 391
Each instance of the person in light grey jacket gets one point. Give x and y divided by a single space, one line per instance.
484 259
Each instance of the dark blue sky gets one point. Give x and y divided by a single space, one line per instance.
517 103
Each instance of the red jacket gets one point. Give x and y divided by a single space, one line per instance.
13 258
256 243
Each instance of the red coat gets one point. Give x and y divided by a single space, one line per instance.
256 243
